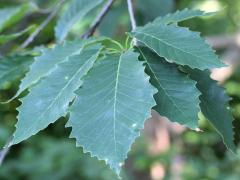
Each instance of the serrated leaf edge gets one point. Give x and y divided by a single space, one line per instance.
148 115
54 120
188 77
187 29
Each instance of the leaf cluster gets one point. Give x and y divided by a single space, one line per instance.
108 93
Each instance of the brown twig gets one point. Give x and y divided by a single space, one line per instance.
43 25
98 19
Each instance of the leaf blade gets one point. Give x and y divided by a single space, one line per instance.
214 103
49 99
76 11
178 44
9 37
11 15
104 134
179 16
174 87
12 68
45 63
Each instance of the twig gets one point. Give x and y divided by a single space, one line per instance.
42 26
4 151
132 18
3 154
131 14
98 19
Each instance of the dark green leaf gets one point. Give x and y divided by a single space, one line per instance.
77 10
9 16
9 37
151 9
214 105
12 68
178 44
178 96
178 16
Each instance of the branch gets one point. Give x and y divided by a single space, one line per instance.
4 151
42 26
98 19
3 154
132 18
131 14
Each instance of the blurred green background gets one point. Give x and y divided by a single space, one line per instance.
184 154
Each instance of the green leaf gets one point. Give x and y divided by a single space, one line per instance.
214 105
77 10
111 107
151 9
9 16
178 96
9 37
12 68
110 28
45 63
179 16
178 44
49 99
236 131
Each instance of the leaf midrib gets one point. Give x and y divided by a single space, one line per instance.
38 58
59 94
155 77
164 42
114 104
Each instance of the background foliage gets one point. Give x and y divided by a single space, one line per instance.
40 158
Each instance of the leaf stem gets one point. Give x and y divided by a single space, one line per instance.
126 42
98 19
116 43
42 25
132 19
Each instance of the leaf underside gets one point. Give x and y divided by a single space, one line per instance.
44 64
178 96
178 45
111 108
49 99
